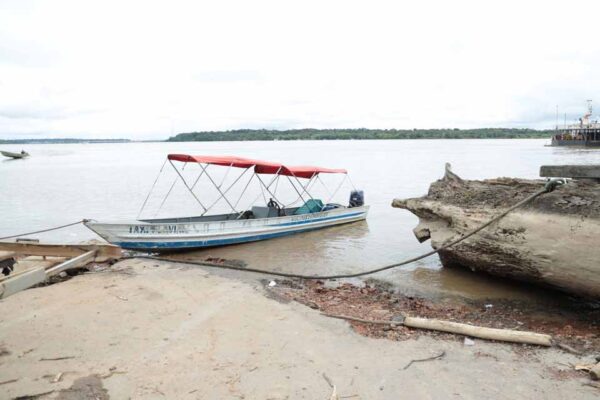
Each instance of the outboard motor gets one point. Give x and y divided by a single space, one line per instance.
357 198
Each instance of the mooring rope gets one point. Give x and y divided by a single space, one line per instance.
548 187
46 230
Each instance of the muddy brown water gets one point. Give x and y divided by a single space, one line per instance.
63 183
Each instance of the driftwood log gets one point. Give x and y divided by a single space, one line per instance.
552 241
504 335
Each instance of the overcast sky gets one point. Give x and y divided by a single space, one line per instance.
146 69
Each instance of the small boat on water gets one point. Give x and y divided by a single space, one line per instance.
10 154
270 220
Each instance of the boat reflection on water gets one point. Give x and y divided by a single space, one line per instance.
318 252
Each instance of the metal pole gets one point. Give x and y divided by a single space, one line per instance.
301 185
218 189
338 188
186 185
267 187
276 177
299 196
226 190
151 189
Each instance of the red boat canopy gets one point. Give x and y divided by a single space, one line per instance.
260 167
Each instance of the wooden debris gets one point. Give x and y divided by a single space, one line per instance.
57 358
568 348
505 335
595 372
439 356
327 380
38 271
334 395
364 321
104 252
34 276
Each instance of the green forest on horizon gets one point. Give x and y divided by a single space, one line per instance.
359 134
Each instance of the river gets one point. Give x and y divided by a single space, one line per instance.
61 183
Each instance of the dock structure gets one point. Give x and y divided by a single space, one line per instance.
28 264
586 133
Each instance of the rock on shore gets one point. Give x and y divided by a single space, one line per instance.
552 241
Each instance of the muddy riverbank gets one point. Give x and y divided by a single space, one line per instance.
577 325
153 330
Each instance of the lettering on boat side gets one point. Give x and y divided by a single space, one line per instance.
305 217
158 229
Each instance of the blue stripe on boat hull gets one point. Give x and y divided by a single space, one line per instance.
309 221
180 245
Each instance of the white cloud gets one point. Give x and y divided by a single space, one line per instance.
144 69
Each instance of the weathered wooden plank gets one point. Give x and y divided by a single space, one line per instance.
34 276
5 255
72 263
570 171
32 262
23 281
104 251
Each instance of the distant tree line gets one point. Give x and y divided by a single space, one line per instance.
358 134
61 141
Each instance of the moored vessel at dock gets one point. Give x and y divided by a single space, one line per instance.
586 133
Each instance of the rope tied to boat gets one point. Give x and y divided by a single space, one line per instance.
549 186
83 221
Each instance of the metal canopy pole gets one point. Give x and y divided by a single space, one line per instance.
186 185
244 191
267 187
338 188
324 186
300 197
351 183
275 178
162 203
226 190
301 185
226 175
218 189
151 189
198 178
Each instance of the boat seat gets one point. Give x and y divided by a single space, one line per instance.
264 212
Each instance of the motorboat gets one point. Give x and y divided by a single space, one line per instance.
270 219
10 154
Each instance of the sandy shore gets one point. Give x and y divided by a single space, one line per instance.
151 330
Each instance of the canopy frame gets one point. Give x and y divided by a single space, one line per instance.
292 173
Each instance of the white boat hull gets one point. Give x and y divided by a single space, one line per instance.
14 155
168 236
